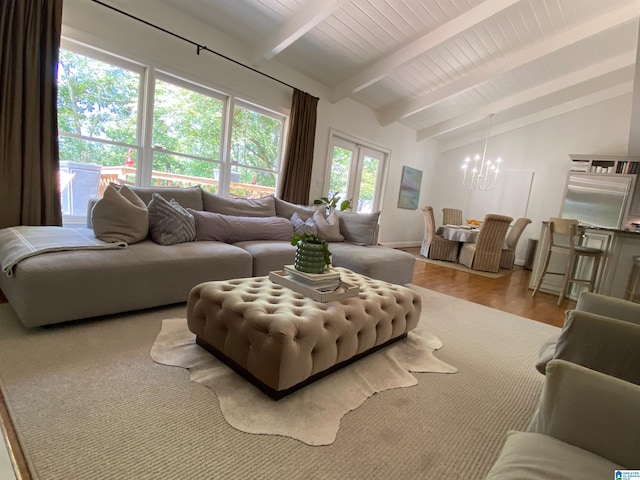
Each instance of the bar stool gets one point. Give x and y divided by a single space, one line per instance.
566 228
634 279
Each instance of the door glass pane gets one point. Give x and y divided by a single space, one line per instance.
368 182
340 171
255 153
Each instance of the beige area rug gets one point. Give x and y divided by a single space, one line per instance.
457 266
312 414
88 402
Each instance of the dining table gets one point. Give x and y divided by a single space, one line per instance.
459 233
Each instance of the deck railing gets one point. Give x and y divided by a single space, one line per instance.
126 175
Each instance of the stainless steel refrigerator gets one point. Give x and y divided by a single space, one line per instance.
598 200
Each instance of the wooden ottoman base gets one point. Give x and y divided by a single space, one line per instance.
281 340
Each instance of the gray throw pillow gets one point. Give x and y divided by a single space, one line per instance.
302 227
359 228
328 228
120 216
240 207
169 222
286 209
233 229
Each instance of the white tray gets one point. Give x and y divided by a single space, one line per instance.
344 290
313 277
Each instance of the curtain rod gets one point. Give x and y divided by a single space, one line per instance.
199 47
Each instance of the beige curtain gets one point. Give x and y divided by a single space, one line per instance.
29 158
296 176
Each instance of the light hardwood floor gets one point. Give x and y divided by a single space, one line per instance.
509 294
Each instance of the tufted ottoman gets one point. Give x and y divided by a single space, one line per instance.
281 340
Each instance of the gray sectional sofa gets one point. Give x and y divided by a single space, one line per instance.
68 285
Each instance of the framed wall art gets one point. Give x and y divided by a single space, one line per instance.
410 188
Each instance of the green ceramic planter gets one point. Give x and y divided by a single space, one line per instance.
309 257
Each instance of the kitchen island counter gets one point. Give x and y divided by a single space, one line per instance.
619 247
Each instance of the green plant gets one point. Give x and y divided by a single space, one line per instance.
299 238
332 202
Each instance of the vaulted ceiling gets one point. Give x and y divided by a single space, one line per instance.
443 66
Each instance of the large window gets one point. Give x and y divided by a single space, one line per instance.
256 143
195 136
187 135
98 118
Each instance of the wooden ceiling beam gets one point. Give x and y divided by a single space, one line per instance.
294 28
398 111
573 80
406 54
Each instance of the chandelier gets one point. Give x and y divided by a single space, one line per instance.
482 174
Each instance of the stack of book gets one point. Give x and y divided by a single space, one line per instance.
322 287
322 282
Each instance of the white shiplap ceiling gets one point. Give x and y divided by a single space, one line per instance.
442 66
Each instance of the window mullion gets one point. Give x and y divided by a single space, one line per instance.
225 147
147 96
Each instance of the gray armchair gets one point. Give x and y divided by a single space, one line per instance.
602 333
587 425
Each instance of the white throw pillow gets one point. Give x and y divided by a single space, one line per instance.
120 216
328 228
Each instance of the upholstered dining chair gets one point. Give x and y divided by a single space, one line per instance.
434 246
484 255
451 216
508 256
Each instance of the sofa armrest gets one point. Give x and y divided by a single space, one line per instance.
609 307
90 204
601 343
590 410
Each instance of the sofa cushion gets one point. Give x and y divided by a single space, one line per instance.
328 228
383 263
190 197
535 456
302 227
269 255
169 223
63 286
287 209
232 229
240 207
120 216
359 228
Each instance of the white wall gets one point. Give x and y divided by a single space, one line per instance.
543 147
98 26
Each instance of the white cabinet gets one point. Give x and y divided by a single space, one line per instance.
625 245
619 247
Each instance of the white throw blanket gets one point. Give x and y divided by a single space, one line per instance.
18 243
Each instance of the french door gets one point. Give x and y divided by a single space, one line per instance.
356 173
